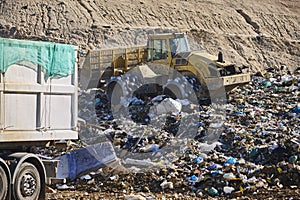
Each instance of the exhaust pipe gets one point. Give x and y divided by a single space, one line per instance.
220 57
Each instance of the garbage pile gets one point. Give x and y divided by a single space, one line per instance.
258 148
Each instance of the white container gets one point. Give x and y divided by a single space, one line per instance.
35 108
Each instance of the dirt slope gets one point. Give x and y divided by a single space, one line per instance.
253 33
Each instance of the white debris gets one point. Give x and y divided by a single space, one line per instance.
134 197
229 176
184 102
86 177
168 105
228 190
166 184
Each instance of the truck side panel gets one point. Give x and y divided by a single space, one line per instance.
36 108
114 61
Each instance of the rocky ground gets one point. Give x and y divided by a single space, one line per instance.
258 151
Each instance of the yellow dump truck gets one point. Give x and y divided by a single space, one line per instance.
169 50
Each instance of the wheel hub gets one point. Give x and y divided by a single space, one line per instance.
28 185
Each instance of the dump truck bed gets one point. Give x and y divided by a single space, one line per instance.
36 105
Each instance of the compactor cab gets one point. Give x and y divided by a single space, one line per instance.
162 48
172 50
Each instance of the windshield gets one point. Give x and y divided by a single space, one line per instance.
178 45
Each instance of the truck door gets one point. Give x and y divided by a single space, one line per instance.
158 51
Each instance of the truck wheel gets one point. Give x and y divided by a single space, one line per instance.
27 184
3 184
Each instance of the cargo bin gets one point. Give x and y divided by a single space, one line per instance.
33 105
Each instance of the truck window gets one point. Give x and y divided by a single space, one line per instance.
159 50
178 45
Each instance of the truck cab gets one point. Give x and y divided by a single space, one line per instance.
162 48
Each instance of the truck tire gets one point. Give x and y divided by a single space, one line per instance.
27 184
3 184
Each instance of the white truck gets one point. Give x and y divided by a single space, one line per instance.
38 104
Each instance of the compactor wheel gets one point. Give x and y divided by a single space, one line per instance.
186 86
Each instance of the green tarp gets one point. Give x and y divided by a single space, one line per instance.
56 59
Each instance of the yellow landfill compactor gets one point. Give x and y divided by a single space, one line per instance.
164 54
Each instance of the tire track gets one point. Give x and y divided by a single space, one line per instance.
87 10
248 19
39 24
118 15
83 22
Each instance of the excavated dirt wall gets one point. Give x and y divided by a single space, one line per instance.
250 33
